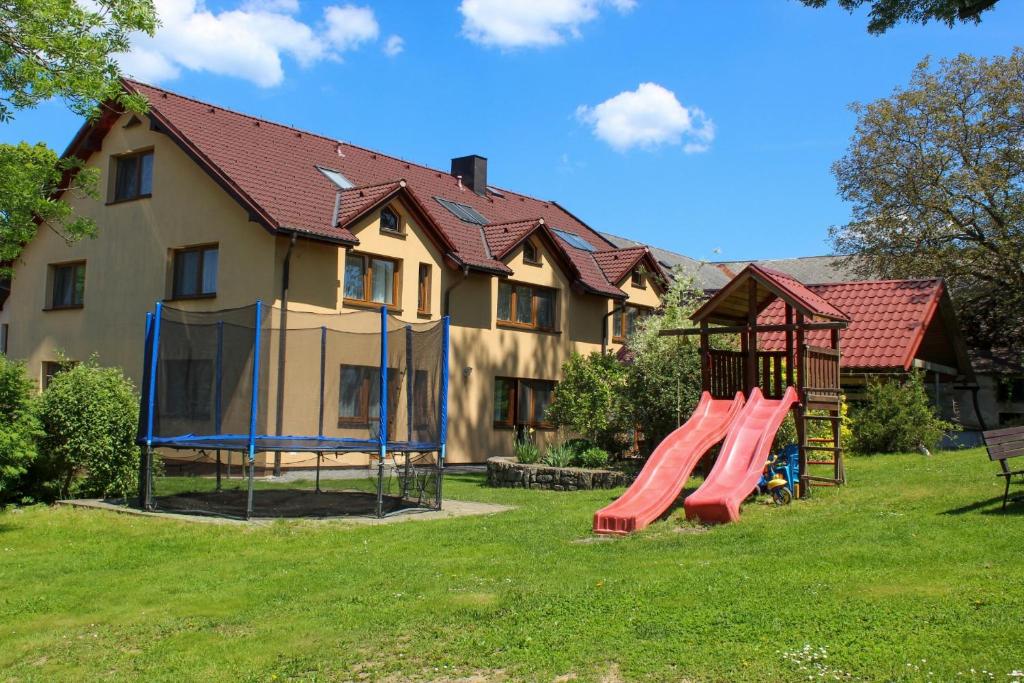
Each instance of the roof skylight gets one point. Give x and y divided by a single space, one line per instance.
337 178
574 240
464 213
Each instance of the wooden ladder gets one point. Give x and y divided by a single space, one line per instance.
821 452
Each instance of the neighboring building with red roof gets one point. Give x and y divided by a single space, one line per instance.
211 209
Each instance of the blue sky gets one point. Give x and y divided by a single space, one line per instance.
724 155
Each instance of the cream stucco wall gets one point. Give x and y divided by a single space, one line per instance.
128 269
128 262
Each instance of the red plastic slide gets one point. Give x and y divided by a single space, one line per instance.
741 460
668 468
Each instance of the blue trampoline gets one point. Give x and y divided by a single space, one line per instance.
261 379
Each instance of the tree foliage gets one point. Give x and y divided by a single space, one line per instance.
897 417
664 380
935 174
90 417
590 399
29 177
57 48
887 13
19 427
64 49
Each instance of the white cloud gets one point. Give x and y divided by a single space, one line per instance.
349 27
530 23
394 46
648 117
248 42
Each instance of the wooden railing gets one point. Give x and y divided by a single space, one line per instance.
820 375
726 373
771 373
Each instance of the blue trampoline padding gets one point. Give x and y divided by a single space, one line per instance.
269 442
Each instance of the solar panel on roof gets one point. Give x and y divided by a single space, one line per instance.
464 213
336 177
574 240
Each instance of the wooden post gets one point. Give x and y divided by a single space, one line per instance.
790 355
705 358
801 427
751 358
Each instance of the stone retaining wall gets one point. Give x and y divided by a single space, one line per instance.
507 473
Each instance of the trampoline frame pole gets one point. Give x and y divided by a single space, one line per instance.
146 454
382 411
323 369
254 403
218 397
443 429
154 357
410 385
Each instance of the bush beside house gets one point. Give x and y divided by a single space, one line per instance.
898 417
75 439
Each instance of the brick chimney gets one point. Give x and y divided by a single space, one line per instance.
473 170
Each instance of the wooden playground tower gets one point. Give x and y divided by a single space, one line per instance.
790 315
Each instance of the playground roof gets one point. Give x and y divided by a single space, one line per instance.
892 324
731 304
288 181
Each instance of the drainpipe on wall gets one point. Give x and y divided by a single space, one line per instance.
282 347
604 326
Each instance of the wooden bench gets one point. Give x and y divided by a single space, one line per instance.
1002 445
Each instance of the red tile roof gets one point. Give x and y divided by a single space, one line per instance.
502 238
888 319
615 263
732 304
799 290
271 169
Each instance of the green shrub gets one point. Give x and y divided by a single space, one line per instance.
593 458
897 417
19 427
90 417
559 455
589 399
577 446
527 452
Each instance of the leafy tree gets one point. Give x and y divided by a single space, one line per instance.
90 417
19 427
897 417
56 48
664 380
887 13
935 174
589 399
65 49
29 177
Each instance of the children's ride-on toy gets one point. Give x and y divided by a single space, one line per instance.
779 476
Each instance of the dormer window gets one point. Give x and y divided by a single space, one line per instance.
389 220
638 279
530 254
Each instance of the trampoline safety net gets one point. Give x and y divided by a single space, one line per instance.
265 379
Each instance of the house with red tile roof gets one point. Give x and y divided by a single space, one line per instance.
208 208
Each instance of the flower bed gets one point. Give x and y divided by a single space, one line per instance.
508 473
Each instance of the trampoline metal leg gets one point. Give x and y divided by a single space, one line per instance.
147 500
380 486
218 471
248 504
318 457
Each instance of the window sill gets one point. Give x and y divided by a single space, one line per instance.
426 315
532 263
72 307
192 297
393 233
129 199
371 305
503 325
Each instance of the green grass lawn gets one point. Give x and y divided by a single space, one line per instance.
908 573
